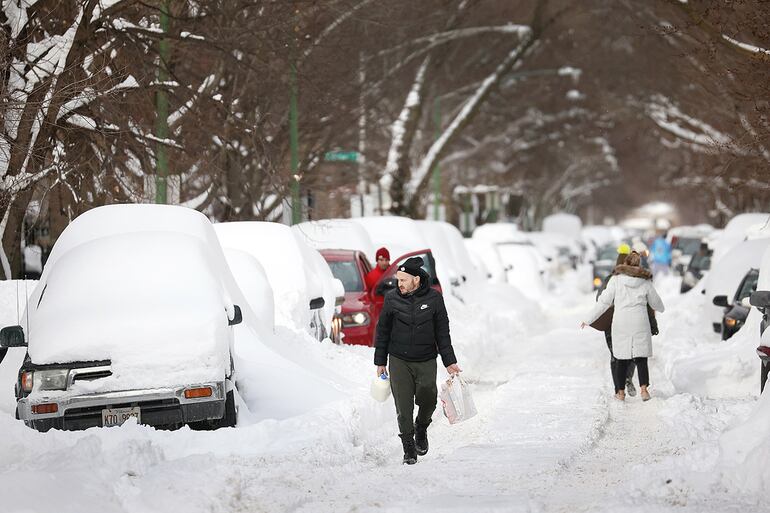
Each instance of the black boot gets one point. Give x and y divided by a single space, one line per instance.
421 438
410 451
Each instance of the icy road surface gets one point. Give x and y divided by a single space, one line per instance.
549 436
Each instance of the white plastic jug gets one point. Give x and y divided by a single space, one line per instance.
380 389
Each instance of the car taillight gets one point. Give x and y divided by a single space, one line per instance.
196 393
597 281
27 380
40 409
730 322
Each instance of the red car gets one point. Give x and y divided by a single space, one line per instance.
362 306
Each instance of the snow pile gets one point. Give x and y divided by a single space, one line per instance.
746 448
485 254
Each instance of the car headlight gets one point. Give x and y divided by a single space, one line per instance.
53 379
355 319
731 323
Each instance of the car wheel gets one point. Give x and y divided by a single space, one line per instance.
763 376
231 411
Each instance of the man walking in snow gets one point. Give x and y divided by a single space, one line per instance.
380 266
413 330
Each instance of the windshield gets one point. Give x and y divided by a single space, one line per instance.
608 253
687 246
748 286
347 273
700 262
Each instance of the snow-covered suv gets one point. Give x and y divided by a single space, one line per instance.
132 317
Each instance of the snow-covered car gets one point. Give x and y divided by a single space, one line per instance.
306 294
486 258
685 243
735 309
132 318
358 315
761 300
604 264
727 274
699 265
525 265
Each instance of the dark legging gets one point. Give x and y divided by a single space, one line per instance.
621 370
613 360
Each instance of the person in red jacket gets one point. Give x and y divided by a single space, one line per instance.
382 264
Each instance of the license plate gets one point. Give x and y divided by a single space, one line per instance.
117 416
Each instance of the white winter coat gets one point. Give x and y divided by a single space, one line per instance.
631 336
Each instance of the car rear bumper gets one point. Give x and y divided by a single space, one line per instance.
158 407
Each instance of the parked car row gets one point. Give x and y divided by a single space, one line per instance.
138 308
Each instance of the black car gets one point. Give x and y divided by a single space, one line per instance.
736 312
700 263
604 264
761 300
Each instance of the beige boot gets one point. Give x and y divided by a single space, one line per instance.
621 395
645 394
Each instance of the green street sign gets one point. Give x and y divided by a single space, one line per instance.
341 156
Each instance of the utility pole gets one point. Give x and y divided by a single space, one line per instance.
436 167
362 185
296 207
161 113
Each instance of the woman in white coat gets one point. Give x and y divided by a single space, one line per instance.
630 291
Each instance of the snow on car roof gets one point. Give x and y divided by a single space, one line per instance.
562 223
500 233
337 234
141 300
399 234
109 220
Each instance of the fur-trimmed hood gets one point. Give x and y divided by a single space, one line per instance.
632 271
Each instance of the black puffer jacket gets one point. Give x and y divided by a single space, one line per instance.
414 327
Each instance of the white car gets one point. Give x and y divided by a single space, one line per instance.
305 292
132 318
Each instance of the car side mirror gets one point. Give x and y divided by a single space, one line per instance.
760 298
721 301
385 286
340 301
237 316
12 336
317 303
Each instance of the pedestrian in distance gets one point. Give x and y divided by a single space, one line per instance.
380 266
630 291
413 329
660 254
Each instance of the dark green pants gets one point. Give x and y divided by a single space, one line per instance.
413 382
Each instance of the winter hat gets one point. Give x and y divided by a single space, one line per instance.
412 266
382 252
624 249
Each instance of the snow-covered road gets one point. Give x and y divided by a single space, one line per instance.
549 437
